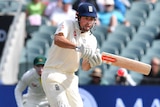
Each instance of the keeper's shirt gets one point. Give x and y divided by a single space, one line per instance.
32 82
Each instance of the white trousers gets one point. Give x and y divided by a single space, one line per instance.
32 104
32 101
61 88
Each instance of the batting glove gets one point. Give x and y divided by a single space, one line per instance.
86 52
95 60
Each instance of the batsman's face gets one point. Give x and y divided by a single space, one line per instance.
39 69
86 23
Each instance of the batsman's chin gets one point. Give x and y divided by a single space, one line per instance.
86 29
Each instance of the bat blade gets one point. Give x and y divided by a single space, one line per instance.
127 63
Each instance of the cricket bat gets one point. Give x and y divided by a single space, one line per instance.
127 63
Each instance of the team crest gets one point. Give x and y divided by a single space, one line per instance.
34 85
40 60
75 34
90 8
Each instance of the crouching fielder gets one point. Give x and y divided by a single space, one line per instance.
73 40
31 80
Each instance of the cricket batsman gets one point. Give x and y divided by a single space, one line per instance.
72 41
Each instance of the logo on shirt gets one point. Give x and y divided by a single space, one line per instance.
57 87
34 85
75 34
61 27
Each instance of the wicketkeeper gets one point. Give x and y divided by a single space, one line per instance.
31 80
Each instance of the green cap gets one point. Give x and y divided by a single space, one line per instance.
39 60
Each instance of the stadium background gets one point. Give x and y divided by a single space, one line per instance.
12 37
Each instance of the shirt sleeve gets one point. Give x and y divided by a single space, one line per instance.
20 87
63 28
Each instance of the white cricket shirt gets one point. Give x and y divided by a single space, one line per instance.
67 60
35 92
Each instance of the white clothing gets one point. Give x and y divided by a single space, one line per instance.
61 88
51 7
35 20
59 15
35 93
67 60
62 63
130 80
